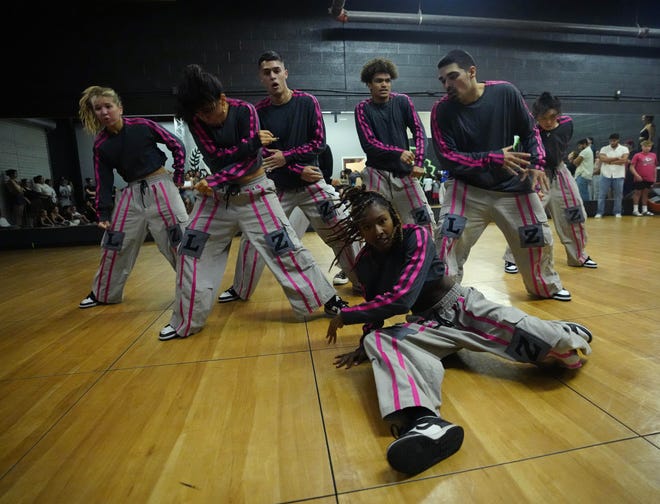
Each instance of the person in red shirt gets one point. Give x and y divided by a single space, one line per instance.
643 168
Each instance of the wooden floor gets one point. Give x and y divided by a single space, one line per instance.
94 409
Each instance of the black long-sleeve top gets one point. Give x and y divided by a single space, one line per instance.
404 279
298 125
233 149
468 139
383 132
556 144
134 154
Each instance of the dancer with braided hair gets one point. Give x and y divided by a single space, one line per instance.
401 273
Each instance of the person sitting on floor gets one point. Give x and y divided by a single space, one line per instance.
401 272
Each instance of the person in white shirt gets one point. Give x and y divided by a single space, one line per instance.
613 159
584 169
44 189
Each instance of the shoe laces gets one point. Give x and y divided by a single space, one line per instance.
340 302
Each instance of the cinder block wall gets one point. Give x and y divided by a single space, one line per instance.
139 48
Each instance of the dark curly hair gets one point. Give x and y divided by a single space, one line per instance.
378 65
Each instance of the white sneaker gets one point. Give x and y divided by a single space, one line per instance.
228 296
167 333
562 295
340 279
618 216
89 301
510 267
598 216
637 214
590 263
648 212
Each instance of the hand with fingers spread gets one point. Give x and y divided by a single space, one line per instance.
539 181
515 162
348 359
351 359
335 323
274 160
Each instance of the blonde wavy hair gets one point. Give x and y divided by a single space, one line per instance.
86 111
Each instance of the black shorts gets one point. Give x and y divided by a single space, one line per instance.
643 184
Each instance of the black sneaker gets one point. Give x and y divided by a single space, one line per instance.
340 279
510 267
334 306
430 440
581 331
89 301
228 296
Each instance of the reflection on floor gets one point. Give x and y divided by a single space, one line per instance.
95 409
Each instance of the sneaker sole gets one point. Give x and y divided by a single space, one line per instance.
90 305
592 266
227 300
511 272
168 336
415 454
561 298
340 282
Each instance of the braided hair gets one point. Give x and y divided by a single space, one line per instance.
356 200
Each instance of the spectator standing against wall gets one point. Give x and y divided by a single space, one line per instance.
584 168
648 131
613 158
18 200
644 171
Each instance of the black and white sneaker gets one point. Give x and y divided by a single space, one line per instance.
228 296
429 441
89 301
510 267
167 333
334 306
340 279
562 295
581 331
590 263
